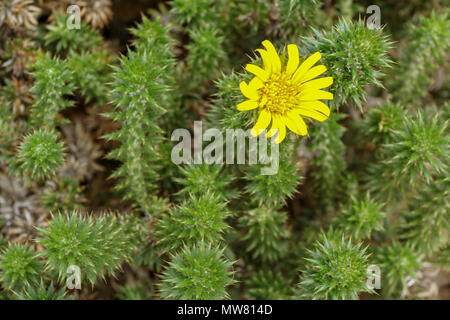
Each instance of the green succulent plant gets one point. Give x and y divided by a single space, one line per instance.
19 267
40 154
197 272
336 269
96 246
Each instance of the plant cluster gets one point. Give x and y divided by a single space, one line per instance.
89 191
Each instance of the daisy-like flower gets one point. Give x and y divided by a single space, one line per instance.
284 94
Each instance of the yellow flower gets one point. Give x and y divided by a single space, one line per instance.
285 94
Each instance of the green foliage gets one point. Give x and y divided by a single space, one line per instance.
265 233
139 292
19 267
96 246
53 84
275 189
428 221
296 16
206 55
419 151
429 44
200 218
336 269
421 145
443 258
224 114
380 123
139 95
362 218
268 285
42 292
8 131
198 179
90 74
194 12
397 261
355 56
252 15
147 255
65 195
330 150
199 272
375 175
61 39
40 154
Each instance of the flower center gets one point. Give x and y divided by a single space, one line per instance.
278 95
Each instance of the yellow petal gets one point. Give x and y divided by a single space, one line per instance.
273 56
266 60
257 71
296 124
293 59
313 73
247 91
311 114
274 129
315 105
282 130
247 105
317 84
315 95
255 84
263 101
292 125
262 123
305 66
